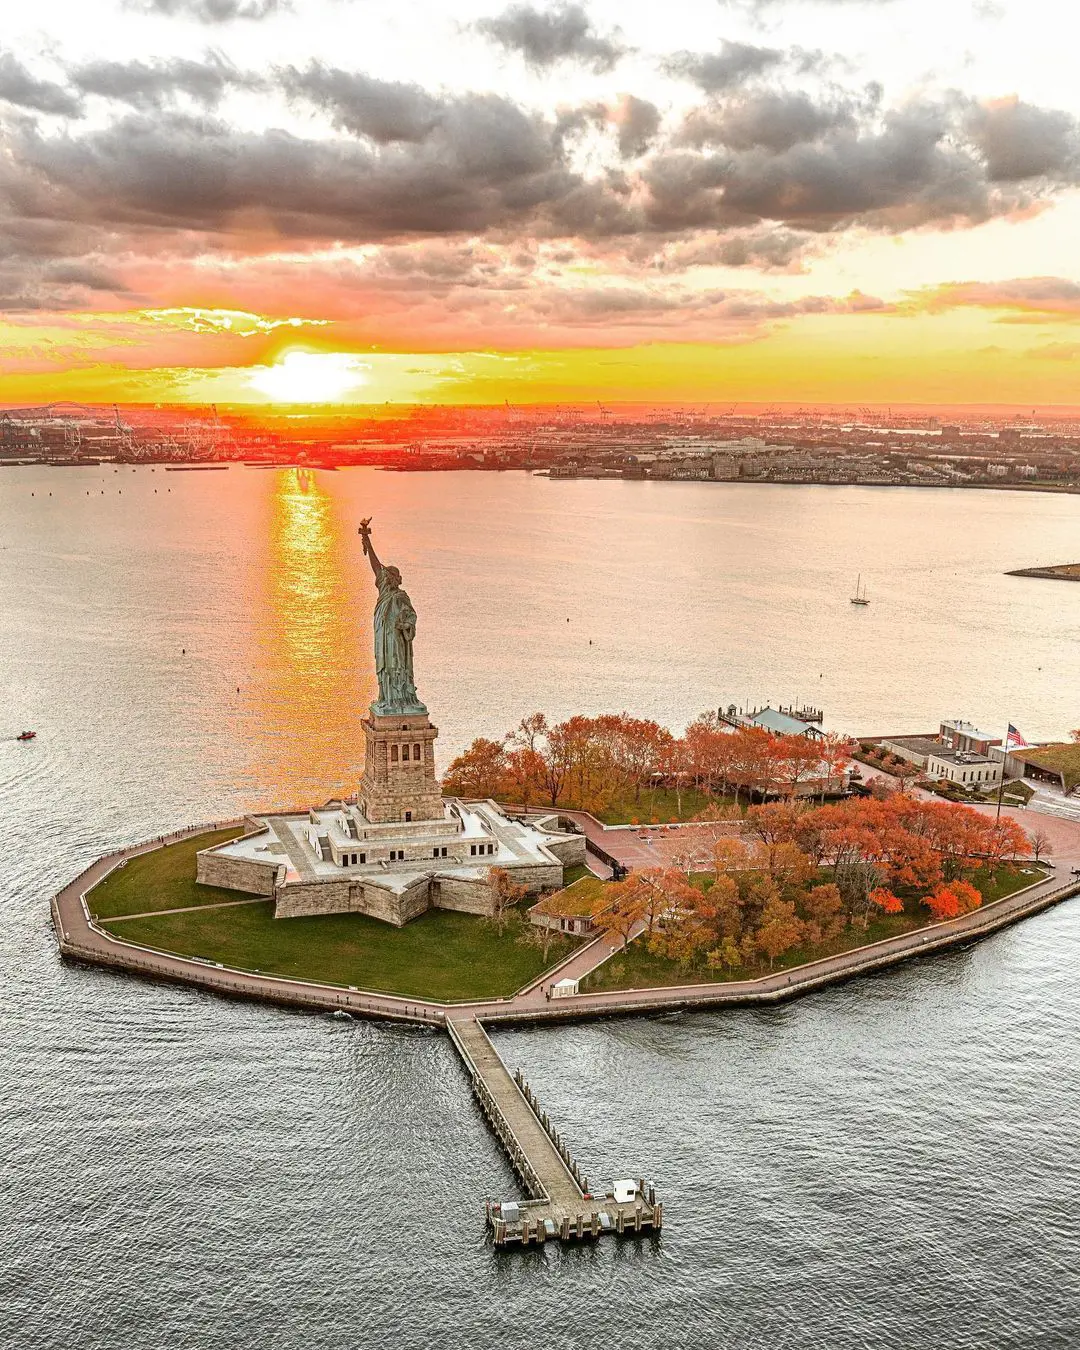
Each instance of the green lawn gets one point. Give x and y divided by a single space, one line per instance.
1007 880
638 968
441 955
163 879
654 806
660 804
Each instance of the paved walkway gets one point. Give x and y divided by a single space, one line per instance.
80 939
640 845
185 909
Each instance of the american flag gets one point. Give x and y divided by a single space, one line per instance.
1013 739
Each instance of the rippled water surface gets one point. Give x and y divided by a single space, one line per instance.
892 1163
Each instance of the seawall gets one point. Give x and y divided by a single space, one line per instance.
80 939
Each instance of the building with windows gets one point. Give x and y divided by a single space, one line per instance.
966 767
579 909
942 756
960 735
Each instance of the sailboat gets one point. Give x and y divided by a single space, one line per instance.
860 597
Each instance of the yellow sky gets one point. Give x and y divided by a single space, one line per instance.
963 355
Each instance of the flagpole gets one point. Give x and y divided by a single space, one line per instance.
1001 781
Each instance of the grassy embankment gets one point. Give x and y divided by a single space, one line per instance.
441 955
655 806
162 879
638 968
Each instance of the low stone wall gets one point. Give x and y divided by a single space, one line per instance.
570 852
236 874
473 897
459 893
398 909
302 899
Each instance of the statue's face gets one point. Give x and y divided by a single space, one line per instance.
393 576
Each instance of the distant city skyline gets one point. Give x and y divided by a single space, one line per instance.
324 202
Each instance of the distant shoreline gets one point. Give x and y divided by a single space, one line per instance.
1057 572
1057 489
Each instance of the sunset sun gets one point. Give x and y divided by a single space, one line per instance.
310 377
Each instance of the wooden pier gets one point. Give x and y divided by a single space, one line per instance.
560 1205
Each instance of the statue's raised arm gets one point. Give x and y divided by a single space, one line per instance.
365 534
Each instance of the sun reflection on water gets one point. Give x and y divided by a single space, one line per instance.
315 678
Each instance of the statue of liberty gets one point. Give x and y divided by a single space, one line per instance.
395 628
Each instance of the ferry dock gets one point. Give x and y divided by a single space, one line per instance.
560 1205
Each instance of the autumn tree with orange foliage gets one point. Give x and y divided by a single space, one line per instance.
780 929
591 762
687 920
952 900
801 876
899 843
585 761
626 909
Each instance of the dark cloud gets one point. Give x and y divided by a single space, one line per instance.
486 164
32 283
82 274
731 66
145 84
741 311
1020 141
594 210
756 178
545 37
907 171
767 247
635 120
212 11
24 90
772 121
384 110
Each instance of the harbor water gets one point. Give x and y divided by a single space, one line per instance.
890 1163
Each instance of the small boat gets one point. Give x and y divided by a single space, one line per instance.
26 735
857 598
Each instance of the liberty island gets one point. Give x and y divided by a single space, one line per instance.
399 852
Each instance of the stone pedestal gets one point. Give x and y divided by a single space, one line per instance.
399 780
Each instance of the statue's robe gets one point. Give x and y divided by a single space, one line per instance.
395 628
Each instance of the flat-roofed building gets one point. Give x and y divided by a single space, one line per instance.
960 735
965 767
